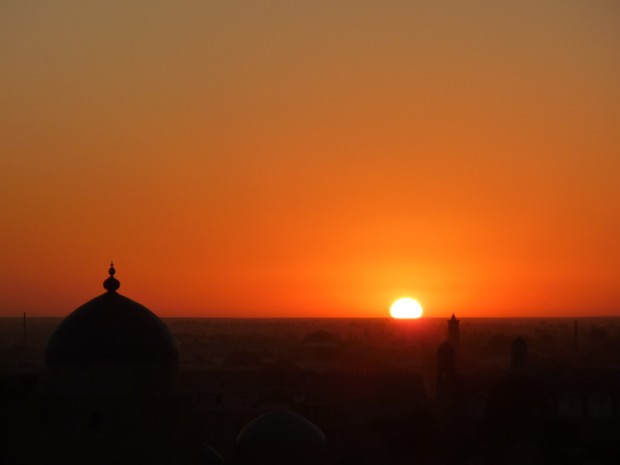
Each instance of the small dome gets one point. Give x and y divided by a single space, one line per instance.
111 330
209 456
281 427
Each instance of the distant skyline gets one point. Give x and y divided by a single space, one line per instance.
311 158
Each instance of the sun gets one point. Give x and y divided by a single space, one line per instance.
406 308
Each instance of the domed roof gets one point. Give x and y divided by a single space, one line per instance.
209 456
111 330
281 427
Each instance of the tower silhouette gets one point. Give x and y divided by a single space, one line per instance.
453 332
448 396
446 364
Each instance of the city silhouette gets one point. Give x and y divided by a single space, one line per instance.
113 383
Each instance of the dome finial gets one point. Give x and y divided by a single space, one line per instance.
111 284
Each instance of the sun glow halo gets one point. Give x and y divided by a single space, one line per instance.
406 308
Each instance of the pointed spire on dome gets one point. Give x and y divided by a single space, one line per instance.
111 284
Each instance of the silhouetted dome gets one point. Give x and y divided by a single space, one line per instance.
281 428
111 330
209 456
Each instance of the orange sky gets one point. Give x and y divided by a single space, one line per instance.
311 158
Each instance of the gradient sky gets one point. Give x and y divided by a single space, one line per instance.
311 158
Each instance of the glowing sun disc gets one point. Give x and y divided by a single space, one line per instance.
406 308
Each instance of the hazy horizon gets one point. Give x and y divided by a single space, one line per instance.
367 318
309 158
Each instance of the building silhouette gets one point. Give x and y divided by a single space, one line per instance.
280 437
112 390
107 392
111 344
454 336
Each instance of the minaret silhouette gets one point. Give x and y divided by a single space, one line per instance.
446 365
576 339
448 392
453 332
25 339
